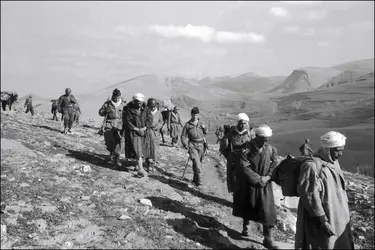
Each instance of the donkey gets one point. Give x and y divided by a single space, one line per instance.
8 98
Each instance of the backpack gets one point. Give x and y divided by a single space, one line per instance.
301 148
287 173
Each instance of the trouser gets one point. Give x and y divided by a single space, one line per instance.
112 139
31 109
54 112
69 116
196 152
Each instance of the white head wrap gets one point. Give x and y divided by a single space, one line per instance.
242 116
263 130
138 96
332 139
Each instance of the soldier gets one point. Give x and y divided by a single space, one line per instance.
66 107
305 149
151 144
219 134
29 105
193 139
113 127
54 109
174 123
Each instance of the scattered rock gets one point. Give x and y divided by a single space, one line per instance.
24 185
85 198
169 237
223 233
361 237
85 168
130 236
194 200
145 202
68 244
362 229
124 217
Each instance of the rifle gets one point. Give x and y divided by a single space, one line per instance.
187 162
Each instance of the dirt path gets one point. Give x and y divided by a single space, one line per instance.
59 191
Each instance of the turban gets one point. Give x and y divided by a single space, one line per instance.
332 139
195 110
116 92
242 116
138 96
263 130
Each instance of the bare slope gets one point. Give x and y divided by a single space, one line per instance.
245 83
348 108
306 79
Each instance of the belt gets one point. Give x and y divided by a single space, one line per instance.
197 140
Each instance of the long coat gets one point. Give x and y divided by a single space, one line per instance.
250 200
134 118
319 196
151 140
174 123
232 144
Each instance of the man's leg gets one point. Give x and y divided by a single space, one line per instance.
268 241
32 111
245 231
196 159
71 119
117 146
65 115
108 138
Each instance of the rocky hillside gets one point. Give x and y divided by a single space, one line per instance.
59 191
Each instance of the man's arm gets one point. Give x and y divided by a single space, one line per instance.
273 162
149 118
103 110
169 120
72 99
184 138
309 190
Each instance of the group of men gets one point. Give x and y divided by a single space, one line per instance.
323 220
139 123
67 105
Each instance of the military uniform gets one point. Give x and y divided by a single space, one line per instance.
113 127
29 105
193 137
66 106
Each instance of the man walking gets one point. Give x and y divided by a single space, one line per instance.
305 149
193 139
174 123
66 107
323 218
151 144
112 110
253 197
54 109
29 105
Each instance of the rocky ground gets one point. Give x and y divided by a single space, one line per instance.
59 191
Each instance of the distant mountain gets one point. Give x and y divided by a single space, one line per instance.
306 79
245 83
360 64
346 77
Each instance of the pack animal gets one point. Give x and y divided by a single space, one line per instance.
165 113
8 98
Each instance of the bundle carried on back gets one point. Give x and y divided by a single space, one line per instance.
287 173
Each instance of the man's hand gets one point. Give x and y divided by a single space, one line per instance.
264 180
327 228
143 129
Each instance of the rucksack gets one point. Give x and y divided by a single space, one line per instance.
301 148
287 173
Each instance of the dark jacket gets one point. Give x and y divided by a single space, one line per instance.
112 114
251 201
193 133
66 102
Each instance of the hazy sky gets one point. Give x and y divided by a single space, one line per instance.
48 46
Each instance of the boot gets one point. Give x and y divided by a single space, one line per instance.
245 231
268 241
116 161
141 170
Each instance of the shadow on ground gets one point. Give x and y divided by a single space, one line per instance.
97 159
184 187
47 127
201 228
